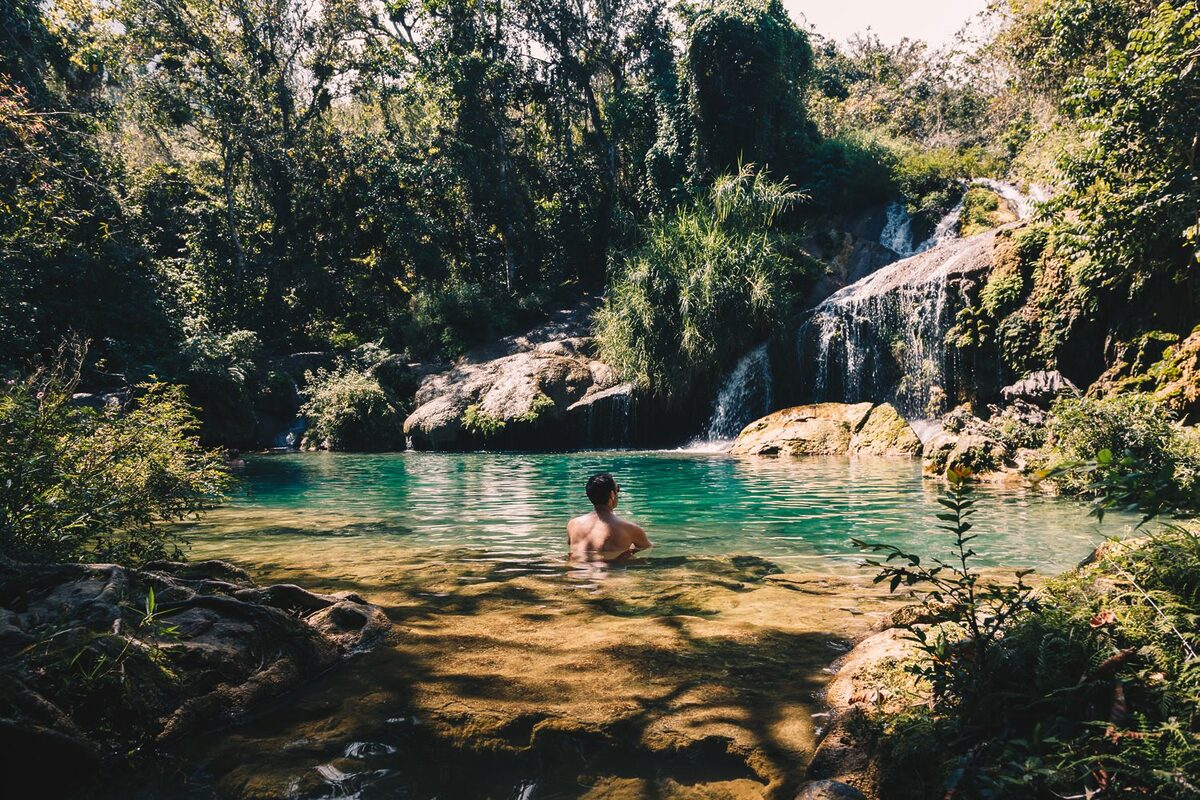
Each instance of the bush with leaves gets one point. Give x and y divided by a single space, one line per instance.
1088 687
1130 438
348 409
82 484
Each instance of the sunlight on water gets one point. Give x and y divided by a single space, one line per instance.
801 514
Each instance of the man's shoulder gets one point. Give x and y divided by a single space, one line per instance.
582 519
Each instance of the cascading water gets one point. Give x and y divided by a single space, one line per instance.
883 338
746 395
1021 203
897 231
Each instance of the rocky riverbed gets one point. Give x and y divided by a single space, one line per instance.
104 667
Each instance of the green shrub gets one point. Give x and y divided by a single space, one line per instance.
1094 678
541 405
1002 291
703 285
82 484
1126 437
347 409
980 211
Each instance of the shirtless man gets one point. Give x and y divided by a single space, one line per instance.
602 535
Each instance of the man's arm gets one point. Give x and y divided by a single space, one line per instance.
639 538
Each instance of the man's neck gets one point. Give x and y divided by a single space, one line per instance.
604 511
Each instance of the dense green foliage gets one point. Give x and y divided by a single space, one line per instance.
79 483
703 285
1089 686
348 409
1125 431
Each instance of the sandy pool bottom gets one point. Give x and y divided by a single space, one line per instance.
673 678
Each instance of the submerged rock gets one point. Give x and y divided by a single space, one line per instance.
829 790
829 429
104 661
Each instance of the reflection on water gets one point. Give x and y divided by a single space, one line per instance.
511 510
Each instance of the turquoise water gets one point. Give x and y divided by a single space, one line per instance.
799 513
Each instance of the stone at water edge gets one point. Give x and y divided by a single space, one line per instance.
885 433
829 429
1039 388
829 790
220 649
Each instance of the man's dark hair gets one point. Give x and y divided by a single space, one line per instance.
599 487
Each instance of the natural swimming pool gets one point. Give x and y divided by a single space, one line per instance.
798 513
697 671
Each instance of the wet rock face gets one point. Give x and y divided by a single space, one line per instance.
100 661
830 429
885 336
1039 388
829 790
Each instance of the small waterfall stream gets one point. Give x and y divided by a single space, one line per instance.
746 395
884 337
897 231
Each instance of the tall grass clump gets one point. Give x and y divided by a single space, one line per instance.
703 284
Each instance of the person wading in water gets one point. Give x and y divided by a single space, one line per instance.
602 535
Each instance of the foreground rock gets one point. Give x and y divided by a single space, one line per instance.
101 662
967 442
830 429
524 391
846 763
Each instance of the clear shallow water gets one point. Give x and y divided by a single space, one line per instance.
799 513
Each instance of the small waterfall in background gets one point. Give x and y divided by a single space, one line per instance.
897 231
746 395
947 228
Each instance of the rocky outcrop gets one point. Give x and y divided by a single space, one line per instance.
101 661
829 429
885 336
542 388
1039 388
864 683
966 442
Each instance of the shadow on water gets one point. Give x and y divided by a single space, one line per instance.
369 730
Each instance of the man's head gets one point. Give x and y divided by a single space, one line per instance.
602 490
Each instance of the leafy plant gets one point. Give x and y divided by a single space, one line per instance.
980 609
79 483
477 421
348 409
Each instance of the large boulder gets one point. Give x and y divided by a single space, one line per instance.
829 429
885 433
98 661
524 391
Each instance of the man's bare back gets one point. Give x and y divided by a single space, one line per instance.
601 535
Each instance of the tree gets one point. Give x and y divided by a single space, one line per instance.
1131 203
746 67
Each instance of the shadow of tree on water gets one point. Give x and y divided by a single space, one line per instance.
486 694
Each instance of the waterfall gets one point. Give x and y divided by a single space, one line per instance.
897 231
1022 206
746 395
947 228
883 338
